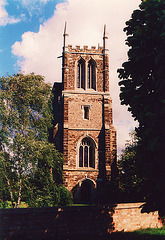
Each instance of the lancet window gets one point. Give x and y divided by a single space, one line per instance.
81 74
86 78
86 153
91 81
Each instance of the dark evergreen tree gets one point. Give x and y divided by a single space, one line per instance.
143 90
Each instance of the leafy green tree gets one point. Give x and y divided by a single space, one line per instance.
130 180
25 118
142 89
4 194
44 188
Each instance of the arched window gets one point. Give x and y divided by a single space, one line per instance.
91 81
86 153
81 74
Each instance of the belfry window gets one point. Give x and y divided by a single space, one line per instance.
81 74
86 153
91 81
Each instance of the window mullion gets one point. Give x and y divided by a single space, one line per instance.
80 76
91 76
88 156
83 155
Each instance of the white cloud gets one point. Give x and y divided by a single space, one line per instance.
34 6
4 17
86 19
27 3
44 1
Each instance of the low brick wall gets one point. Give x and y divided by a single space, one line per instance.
128 217
69 223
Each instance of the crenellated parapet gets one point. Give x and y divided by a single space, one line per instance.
85 49
85 68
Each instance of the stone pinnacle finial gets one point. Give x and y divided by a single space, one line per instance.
65 29
105 32
105 40
65 35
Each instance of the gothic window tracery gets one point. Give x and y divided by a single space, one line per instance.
86 74
81 74
91 81
86 153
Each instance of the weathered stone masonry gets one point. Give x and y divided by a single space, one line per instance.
84 130
89 222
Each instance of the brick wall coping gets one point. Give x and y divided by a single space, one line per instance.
129 205
73 208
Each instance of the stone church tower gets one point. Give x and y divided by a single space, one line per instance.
84 130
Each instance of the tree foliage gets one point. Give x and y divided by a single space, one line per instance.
130 179
25 118
45 188
142 89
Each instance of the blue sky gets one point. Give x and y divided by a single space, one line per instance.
22 16
31 36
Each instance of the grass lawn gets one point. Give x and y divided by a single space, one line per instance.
9 205
142 234
152 231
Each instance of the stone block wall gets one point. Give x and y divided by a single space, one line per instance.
99 127
128 217
71 58
69 223
79 97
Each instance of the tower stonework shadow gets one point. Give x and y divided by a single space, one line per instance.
86 191
84 130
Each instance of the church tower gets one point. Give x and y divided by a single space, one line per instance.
84 130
